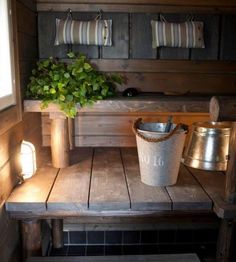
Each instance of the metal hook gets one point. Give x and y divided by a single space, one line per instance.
69 13
100 14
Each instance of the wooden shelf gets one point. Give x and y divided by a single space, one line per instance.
86 188
140 103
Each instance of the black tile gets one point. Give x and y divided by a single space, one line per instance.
166 236
113 237
150 249
59 251
76 250
131 237
131 249
77 237
95 250
205 235
95 237
149 237
66 237
175 248
184 235
204 250
113 250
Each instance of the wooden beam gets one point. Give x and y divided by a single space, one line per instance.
142 103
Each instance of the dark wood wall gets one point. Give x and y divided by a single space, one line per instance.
28 129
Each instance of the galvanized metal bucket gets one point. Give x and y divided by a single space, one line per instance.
208 146
159 153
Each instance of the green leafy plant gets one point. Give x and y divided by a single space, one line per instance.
69 84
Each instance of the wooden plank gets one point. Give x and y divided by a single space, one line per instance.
120 37
26 25
229 3
89 50
31 196
184 83
120 124
71 189
211 38
134 8
108 189
125 258
213 182
46 35
141 44
228 39
142 197
172 52
187 193
144 103
164 66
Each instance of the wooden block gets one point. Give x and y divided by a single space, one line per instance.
187 194
120 36
47 33
71 189
173 52
31 196
127 258
211 38
108 189
143 197
228 38
141 36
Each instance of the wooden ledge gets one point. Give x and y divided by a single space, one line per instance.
140 103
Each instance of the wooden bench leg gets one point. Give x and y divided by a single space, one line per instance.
225 241
31 238
57 233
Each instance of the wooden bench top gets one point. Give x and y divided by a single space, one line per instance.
107 181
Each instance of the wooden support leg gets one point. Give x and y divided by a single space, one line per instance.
59 140
225 241
31 238
57 233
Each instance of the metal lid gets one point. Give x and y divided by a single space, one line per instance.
222 127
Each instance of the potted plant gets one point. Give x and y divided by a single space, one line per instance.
69 84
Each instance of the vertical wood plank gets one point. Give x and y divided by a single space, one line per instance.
47 33
91 51
120 36
228 38
211 38
74 182
108 189
172 52
187 193
143 197
141 36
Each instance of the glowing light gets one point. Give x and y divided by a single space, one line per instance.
28 159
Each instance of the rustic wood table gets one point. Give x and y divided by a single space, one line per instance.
105 182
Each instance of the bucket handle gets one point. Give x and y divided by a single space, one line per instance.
156 140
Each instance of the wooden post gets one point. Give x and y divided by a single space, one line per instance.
57 233
59 140
31 238
224 109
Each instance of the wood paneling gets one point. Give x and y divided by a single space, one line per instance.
114 129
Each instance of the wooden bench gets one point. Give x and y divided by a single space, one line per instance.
138 258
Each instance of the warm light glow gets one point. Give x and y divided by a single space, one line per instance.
28 159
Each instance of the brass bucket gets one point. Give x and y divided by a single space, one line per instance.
208 146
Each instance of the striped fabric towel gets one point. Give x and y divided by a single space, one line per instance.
94 32
185 35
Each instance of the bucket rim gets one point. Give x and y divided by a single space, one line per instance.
212 126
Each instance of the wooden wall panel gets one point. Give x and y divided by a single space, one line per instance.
211 38
141 36
114 129
228 38
10 140
120 37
